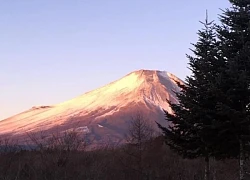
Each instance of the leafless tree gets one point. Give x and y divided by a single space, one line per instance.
56 150
9 152
140 130
138 138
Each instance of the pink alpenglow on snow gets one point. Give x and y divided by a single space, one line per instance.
102 113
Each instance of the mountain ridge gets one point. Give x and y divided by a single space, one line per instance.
114 103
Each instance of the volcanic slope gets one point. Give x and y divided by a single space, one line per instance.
103 113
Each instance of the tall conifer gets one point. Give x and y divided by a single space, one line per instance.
191 131
233 86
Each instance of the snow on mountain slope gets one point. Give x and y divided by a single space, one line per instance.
105 109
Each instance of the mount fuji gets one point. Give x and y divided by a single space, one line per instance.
103 113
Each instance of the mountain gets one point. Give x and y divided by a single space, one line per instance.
103 113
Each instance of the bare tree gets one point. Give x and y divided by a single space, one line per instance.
56 150
140 130
138 138
9 152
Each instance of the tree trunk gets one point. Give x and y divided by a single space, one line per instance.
207 169
242 161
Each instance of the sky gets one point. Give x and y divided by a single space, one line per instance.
54 50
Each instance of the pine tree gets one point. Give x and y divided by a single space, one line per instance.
191 132
213 114
233 86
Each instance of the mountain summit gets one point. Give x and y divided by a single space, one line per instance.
104 112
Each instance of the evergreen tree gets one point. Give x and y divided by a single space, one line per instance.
213 114
233 86
191 132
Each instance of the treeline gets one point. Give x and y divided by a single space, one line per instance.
144 158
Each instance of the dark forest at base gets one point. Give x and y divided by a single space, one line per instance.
109 163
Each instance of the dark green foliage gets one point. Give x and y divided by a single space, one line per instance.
233 103
213 113
191 132
234 37
213 116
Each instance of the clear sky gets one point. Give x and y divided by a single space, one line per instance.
55 50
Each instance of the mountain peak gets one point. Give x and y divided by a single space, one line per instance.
144 72
154 76
141 71
110 106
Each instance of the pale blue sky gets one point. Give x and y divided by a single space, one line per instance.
55 50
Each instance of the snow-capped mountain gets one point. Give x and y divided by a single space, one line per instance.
104 112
